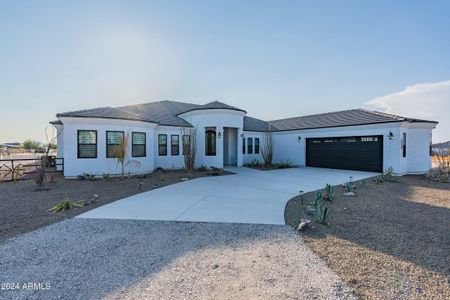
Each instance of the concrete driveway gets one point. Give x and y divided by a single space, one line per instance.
249 196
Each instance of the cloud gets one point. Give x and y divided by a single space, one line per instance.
429 101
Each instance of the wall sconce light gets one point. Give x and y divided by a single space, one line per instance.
242 135
219 135
299 139
391 135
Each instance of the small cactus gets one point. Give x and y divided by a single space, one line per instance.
329 192
321 213
317 198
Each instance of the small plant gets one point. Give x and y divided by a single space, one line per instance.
66 204
285 164
162 176
89 176
318 196
438 175
379 179
203 168
349 187
328 192
254 163
321 213
389 175
105 176
363 182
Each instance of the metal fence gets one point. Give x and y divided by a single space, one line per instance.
24 168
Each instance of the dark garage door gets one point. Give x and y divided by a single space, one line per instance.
363 153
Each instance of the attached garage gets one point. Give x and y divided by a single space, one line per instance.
363 153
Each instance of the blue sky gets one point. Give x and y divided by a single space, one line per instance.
274 59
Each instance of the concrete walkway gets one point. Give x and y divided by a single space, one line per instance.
249 196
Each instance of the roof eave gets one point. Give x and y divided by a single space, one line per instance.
210 108
110 118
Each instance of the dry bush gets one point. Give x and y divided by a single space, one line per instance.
189 148
267 147
442 172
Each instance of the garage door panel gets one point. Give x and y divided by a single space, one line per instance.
351 153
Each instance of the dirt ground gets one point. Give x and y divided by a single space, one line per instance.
24 209
390 241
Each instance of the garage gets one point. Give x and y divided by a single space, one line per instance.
362 153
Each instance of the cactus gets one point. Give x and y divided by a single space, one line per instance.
317 198
329 192
349 186
321 213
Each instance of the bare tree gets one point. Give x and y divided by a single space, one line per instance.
267 147
44 160
121 153
189 141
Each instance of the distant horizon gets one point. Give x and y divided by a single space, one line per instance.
274 61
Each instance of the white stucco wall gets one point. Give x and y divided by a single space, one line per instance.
169 161
218 118
74 166
418 141
287 145
248 158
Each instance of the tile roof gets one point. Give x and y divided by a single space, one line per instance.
162 112
167 113
350 117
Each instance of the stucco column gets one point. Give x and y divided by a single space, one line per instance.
240 157
219 146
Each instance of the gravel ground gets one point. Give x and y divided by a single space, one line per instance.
129 259
391 241
24 209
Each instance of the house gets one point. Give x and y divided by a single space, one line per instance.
441 148
355 139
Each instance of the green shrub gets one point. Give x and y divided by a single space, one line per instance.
254 163
203 168
105 176
66 204
389 175
285 164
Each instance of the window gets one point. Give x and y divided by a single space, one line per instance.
162 144
349 140
186 144
404 144
249 145
243 145
113 140
210 142
138 144
256 145
431 147
175 145
87 144
369 139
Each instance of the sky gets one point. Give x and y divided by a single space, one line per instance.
275 59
